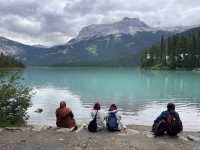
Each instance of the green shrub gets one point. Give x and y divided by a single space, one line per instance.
15 99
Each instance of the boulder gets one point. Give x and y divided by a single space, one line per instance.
39 110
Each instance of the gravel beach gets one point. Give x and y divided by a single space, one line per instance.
134 138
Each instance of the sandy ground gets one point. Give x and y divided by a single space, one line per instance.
135 138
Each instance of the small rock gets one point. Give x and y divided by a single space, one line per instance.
193 138
183 138
39 110
12 129
1 129
63 130
84 145
80 128
39 128
25 129
77 148
60 139
122 134
49 127
128 132
132 132
22 141
148 134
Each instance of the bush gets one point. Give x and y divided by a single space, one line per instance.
15 99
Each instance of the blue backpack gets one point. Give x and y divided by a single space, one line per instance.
111 123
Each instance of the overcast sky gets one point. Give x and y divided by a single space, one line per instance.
51 22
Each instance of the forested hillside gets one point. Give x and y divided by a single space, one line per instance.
9 62
179 51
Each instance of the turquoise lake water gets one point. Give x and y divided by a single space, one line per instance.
140 94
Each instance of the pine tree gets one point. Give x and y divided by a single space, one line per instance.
162 48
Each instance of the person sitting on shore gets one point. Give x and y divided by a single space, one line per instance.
168 122
65 117
97 123
113 119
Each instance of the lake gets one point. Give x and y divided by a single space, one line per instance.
141 95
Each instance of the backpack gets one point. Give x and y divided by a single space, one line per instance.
112 124
92 127
159 127
174 125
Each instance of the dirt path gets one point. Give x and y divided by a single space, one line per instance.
136 138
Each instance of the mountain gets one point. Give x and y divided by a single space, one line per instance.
110 50
29 55
40 46
116 44
125 26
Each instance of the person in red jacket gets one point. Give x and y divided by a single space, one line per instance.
65 117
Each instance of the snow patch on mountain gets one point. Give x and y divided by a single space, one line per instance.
125 26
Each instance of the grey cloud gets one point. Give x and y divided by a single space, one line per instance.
56 21
21 8
20 25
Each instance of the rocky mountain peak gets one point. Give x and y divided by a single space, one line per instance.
124 26
134 22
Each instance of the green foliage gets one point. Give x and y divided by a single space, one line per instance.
92 49
9 62
14 101
178 51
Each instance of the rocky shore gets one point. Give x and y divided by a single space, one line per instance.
134 138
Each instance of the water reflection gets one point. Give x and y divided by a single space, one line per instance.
118 84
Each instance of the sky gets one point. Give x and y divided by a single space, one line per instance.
53 22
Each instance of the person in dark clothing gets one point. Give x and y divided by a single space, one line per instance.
168 122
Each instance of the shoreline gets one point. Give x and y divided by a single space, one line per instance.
136 137
190 130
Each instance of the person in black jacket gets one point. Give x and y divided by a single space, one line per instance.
168 122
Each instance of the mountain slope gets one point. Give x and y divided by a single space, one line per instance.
29 55
116 44
111 50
